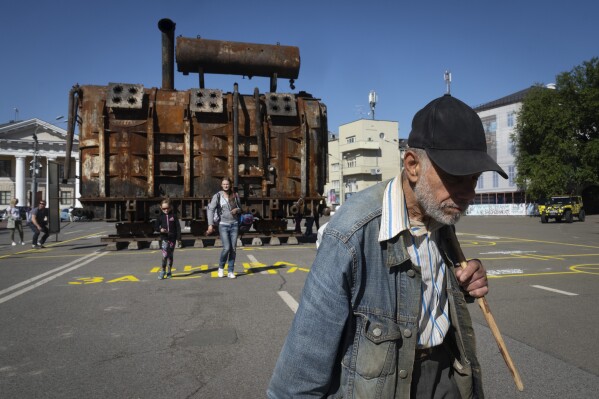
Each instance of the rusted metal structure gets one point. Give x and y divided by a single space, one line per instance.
138 145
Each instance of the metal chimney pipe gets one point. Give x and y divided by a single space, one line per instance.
167 27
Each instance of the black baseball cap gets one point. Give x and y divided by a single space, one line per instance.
453 137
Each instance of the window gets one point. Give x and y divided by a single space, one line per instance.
335 167
510 119
351 139
512 146
5 168
495 179
4 197
490 126
511 174
351 162
481 182
489 123
335 184
66 198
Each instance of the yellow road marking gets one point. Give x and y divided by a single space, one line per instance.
592 266
516 239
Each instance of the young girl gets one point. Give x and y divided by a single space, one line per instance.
225 205
170 231
14 217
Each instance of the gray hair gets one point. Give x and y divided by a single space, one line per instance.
422 157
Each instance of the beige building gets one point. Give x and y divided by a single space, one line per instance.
17 147
366 152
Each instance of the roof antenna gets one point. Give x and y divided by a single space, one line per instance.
372 100
447 77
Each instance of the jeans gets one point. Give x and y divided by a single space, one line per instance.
19 228
168 248
36 234
228 235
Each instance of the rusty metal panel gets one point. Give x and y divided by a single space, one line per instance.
123 95
206 100
92 106
170 111
281 104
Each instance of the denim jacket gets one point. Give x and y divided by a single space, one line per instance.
355 332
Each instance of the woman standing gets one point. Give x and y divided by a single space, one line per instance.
223 211
14 221
170 231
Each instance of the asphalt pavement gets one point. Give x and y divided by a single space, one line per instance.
82 322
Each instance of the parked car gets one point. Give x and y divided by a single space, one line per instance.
79 215
563 207
64 215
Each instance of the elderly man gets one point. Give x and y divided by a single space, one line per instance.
383 311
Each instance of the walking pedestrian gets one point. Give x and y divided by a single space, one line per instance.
170 231
14 221
383 311
223 212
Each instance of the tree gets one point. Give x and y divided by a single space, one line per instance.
557 134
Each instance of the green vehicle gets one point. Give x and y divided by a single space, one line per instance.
563 207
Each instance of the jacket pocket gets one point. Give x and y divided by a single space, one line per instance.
375 350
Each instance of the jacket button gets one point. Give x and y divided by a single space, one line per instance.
407 333
411 273
377 332
403 373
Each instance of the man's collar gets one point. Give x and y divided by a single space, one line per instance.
394 218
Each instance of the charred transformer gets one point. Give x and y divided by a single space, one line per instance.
138 145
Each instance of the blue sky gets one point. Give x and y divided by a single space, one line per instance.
398 48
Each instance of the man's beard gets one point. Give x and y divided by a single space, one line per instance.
432 208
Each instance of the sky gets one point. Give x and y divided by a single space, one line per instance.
398 48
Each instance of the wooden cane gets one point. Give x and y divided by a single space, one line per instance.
484 306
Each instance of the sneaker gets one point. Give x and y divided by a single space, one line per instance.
22 242
160 274
232 275
169 274
34 246
41 246
221 273
14 243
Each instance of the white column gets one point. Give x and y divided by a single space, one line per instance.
20 180
77 184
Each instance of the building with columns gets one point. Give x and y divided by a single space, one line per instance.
17 147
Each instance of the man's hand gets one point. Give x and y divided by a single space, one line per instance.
473 278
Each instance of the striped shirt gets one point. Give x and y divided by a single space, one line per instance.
421 242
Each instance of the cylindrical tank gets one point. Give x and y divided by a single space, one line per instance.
235 58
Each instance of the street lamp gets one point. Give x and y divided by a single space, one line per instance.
36 166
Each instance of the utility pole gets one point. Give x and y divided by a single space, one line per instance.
35 168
